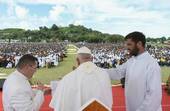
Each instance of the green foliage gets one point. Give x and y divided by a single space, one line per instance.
11 33
55 33
157 40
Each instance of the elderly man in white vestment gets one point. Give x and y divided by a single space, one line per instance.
142 76
87 81
17 92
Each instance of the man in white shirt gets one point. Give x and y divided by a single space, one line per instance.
86 82
17 92
55 59
142 76
17 57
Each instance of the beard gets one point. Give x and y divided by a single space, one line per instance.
134 52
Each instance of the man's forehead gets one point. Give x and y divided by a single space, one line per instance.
129 40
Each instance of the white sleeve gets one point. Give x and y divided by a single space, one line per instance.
117 73
22 101
152 101
57 99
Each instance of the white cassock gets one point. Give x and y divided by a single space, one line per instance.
55 59
43 61
142 83
17 59
18 94
81 85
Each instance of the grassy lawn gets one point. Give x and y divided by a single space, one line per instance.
165 73
46 75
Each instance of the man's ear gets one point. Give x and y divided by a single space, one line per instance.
139 44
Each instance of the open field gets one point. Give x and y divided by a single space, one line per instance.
46 75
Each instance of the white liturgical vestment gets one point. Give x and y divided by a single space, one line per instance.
81 85
142 83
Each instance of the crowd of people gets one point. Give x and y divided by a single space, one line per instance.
161 54
88 85
107 55
48 54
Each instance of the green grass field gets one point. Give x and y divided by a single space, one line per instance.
46 75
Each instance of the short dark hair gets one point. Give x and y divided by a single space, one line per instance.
136 37
26 59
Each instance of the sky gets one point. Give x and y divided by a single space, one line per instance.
152 17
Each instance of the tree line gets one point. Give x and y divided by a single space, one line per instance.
56 33
73 33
